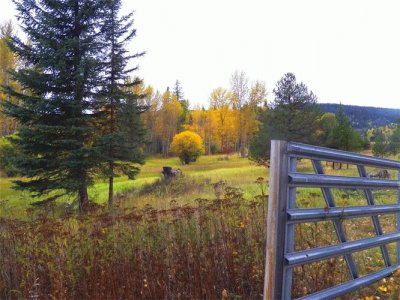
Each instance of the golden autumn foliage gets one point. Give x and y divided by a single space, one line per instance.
151 101
225 118
226 126
167 121
7 63
188 146
203 122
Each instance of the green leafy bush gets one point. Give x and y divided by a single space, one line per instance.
7 151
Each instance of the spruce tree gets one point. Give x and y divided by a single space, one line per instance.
122 130
184 116
343 136
178 91
60 84
293 116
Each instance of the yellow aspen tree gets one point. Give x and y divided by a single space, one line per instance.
167 122
231 125
246 102
7 62
196 122
240 94
220 102
203 122
257 96
210 130
152 102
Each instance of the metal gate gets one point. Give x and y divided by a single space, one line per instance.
283 215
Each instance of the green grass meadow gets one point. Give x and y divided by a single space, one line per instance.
236 171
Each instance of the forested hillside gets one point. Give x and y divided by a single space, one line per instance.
362 117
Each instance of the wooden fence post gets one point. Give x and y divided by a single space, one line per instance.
277 201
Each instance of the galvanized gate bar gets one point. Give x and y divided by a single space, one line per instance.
283 215
398 224
321 153
316 254
330 203
350 286
301 215
289 241
311 180
375 218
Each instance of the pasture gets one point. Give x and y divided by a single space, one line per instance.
198 236
234 170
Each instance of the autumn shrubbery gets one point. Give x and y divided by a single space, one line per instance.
188 146
184 252
209 250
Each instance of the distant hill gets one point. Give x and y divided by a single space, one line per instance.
363 117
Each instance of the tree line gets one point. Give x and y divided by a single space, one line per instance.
239 119
365 117
73 111
226 126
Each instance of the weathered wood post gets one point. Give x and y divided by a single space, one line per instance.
277 201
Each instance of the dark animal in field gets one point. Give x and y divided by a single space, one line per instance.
177 172
168 172
379 174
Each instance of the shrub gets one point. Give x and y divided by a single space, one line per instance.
7 150
214 149
188 146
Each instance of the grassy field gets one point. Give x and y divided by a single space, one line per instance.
235 171
198 236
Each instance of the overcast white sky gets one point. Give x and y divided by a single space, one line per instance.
345 51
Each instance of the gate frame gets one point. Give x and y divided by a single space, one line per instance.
283 215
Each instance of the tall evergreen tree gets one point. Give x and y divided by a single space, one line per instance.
123 132
184 116
60 86
293 116
178 91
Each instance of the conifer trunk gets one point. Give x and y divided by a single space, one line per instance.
83 195
111 187
112 106
242 151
